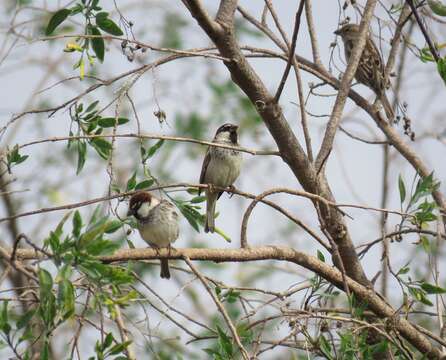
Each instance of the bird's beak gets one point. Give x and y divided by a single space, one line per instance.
337 32
235 127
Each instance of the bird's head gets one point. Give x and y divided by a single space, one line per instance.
141 203
348 31
227 132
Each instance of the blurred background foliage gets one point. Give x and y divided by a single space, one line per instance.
81 298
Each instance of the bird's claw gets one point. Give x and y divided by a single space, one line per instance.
231 189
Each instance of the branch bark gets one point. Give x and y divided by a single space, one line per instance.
344 88
290 149
329 273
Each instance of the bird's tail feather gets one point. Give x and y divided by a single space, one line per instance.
387 108
165 272
210 212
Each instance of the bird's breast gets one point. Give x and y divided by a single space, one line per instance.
159 232
223 168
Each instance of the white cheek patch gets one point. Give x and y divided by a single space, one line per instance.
223 136
143 210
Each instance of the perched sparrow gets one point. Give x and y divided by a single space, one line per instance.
370 71
157 223
221 167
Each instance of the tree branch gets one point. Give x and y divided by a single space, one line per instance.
291 51
291 150
328 272
344 88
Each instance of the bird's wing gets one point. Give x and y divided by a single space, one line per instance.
204 167
168 206
377 68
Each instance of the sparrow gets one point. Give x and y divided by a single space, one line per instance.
157 223
370 71
221 167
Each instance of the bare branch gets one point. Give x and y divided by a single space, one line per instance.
344 88
291 51
220 307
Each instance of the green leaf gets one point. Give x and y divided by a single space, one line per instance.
419 295
425 186
54 242
110 122
437 7
426 244
144 184
232 296
441 67
65 272
102 15
97 43
113 226
426 55
92 106
198 199
153 149
211 352
81 155
402 188
77 223
76 9
118 348
325 347
79 108
106 24
432 289
380 348
320 256
191 215
45 353
107 341
13 157
25 319
94 216
131 183
45 282
403 270
4 324
59 228
225 342
92 234
220 232
47 305
66 298
102 147
57 19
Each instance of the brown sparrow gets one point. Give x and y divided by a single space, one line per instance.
221 167
370 71
157 223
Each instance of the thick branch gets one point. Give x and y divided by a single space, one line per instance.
291 150
331 274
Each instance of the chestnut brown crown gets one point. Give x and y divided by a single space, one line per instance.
137 200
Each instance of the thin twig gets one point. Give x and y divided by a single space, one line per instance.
305 194
155 137
424 31
220 307
291 51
